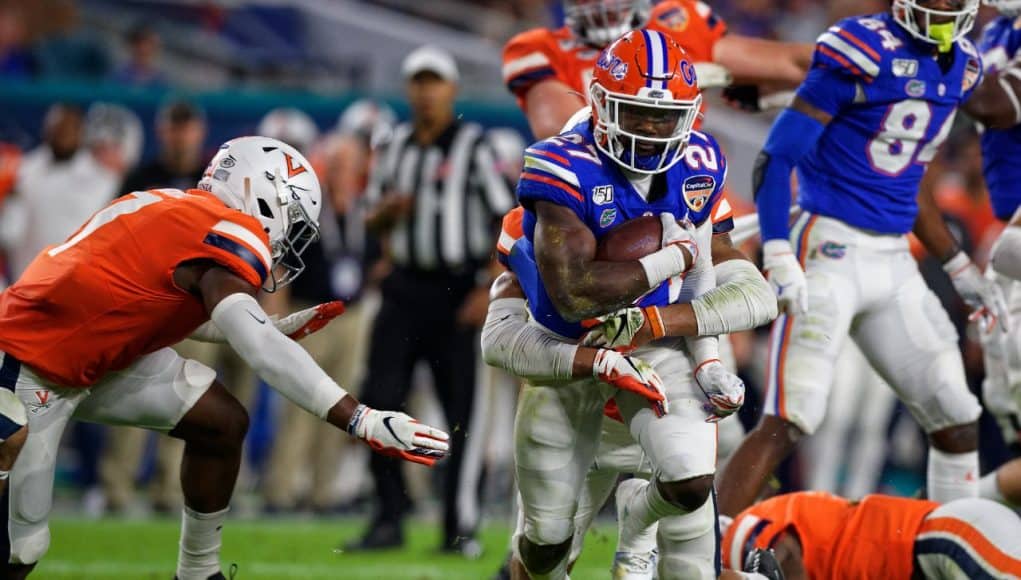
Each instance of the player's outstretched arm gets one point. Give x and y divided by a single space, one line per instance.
757 60
296 326
510 343
793 135
286 366
582 287
996 103
980 293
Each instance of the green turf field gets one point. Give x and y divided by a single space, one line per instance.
123 549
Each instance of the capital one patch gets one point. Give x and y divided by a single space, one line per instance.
697 190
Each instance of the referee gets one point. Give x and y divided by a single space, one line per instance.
436 195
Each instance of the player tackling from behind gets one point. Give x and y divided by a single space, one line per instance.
86 330
878 102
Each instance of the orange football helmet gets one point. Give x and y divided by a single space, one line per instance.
645 100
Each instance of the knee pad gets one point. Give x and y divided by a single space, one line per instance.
549 531
29 543
690 494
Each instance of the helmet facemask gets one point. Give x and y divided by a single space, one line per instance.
925 23
299 232
600 22
645 134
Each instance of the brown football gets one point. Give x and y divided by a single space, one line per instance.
631 240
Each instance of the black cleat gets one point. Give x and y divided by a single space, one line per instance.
465 546
380 536
233 570
763 562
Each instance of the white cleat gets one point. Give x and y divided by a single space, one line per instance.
629 566
638 560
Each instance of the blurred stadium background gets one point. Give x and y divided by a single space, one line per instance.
236 60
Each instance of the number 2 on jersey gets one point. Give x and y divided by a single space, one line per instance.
893 149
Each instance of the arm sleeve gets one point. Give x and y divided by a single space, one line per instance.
275 358
522 349
742 300
792 136
698 281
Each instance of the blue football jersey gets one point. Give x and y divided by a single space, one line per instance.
569 171
1001 149
892 106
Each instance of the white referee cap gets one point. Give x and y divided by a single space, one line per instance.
431 59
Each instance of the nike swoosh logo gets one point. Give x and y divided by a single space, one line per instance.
256 318
386 423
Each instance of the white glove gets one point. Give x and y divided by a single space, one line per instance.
785 276
724 389
618 330
981 294
682 234
398 435
631 374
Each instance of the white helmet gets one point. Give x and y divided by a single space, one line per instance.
1011 8
907 12
372 120
274 183
290 126
600 22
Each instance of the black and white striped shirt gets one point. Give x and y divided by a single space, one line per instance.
459 193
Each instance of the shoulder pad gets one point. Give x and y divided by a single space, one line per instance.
527 58
855 46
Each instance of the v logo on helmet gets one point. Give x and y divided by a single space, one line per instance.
293 170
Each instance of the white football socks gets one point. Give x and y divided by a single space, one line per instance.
952 475
199 556
645 507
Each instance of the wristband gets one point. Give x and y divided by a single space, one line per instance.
356 418
655 320
957 263
4 475
663 264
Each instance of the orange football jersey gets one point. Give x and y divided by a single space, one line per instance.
873 538
106 296
540 54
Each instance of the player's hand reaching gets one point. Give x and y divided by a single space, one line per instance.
626 329
398 435
785 276
628 373
724 389
310 320
981 294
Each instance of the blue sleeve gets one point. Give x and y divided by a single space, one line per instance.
548 176
792 136
709 169
828 89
